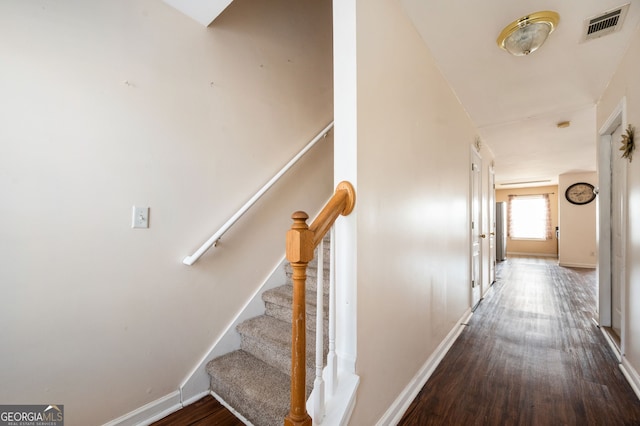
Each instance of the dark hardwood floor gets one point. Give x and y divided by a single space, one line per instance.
205 412
531 355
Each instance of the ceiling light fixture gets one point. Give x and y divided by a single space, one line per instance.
528 33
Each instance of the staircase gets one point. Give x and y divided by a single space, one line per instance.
255 380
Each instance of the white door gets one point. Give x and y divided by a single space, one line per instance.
618 179
476 231
612 227
492 227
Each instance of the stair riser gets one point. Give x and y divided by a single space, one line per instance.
259 392
312 282
277 358
235 397
285 313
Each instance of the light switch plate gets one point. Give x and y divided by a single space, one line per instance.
140 218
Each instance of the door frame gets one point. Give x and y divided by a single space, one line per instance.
604 294
492 225
475 229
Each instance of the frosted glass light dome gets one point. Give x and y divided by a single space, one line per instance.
528 33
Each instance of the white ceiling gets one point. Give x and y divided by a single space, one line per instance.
515 102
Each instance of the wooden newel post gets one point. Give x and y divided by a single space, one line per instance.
299 254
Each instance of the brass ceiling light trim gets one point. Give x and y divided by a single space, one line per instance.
528 33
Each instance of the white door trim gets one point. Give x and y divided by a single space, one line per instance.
491 210
617 118
475 229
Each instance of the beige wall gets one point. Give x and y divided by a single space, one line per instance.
527 247
107 104
626 84
577 224
413 148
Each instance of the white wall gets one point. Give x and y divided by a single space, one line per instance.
111 103
625 83
577 243
412 141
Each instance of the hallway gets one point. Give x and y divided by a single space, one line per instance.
530 355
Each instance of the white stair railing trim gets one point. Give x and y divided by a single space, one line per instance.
332 397
212 242
332 365
318 384
325 385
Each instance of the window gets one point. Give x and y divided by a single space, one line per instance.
529 217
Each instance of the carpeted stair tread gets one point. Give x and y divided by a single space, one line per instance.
278 302
255 389
255 380
269 340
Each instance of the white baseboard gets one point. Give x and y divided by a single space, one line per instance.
230 408
162 407
151 412
194 398
614 348
395 412
631 375
577 265
463 321
518 253
488 291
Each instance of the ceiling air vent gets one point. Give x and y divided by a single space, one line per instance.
605 23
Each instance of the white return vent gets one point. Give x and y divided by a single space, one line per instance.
605 23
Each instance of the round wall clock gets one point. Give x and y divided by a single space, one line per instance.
580 193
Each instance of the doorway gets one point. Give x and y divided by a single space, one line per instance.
618 177
492 227
476 227
612 223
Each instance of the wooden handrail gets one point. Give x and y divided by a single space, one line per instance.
301 242
342 203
